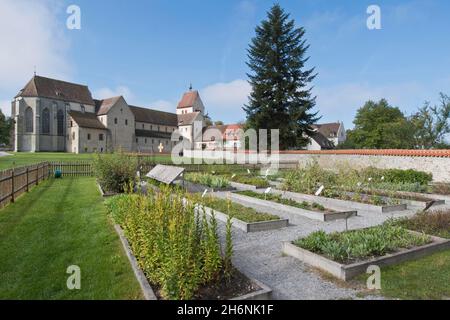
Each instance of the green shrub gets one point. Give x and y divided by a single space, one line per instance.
251 180
178 250
407 176
356 245
115 172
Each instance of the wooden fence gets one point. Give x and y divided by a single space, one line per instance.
14 182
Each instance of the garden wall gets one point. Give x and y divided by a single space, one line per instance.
436 162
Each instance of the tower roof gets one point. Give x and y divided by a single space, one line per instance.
188 99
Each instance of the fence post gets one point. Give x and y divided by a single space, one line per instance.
12 186
27 180
37 175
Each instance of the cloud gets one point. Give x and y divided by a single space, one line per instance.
104 93
224 101
31 35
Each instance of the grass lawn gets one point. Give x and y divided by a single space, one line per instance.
25 158
424 279
58 224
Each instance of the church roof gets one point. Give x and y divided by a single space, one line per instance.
86 120
102 107
187 118
153 134
188 99
56 89
154 116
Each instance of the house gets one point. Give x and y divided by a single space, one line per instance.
221 137
55 115
335 132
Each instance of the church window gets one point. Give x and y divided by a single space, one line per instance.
143 126
89 136
115 120
145 141
100 137
46 121
83 109
29 120
73 135
126 122
60 122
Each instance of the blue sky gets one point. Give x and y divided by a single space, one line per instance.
150 51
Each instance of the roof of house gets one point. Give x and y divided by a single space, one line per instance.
56 89
187 118
87 120
102 107
188 99
322 141
153 134
154 116
329 130
224 130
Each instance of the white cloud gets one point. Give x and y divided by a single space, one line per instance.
31 35
224 101
104 93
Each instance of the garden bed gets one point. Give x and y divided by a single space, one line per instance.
179 250
105 194
346 255
276 202
238 287
338 204
242 217
435 223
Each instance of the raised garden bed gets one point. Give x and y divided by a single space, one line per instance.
240 287
436 223
338 204
105 194
243 218
380 247
276 202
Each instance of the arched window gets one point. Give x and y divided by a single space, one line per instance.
83 109
29 120
60 121
46 121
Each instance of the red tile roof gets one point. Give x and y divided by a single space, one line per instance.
102 107
188 99
329 130
87 120
373 152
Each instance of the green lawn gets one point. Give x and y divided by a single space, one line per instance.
25 158
58 224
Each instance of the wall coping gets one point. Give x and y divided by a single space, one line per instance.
372 152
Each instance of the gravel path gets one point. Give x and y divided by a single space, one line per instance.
4 154
259 256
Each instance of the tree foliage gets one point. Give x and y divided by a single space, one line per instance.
5 128
281 96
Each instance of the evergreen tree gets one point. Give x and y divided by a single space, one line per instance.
281 96
5 128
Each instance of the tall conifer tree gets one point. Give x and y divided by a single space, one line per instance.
281 93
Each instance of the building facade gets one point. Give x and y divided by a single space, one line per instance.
54 115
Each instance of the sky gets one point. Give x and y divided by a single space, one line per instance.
151 51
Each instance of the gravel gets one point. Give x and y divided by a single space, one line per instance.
259 255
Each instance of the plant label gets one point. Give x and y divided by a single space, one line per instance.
319 191
234 175
248 171
268 190
204 193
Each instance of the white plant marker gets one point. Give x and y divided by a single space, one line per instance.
204 193
382 178
138 174
359 184
248 171
213 172
267 191
234 175
267 173
318 192
370 179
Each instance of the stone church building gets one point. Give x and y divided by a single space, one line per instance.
54 115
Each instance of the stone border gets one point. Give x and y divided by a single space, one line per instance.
249 227
349 271
338 204
271 205
264 292
140 276
243 186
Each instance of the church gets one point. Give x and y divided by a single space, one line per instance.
54 115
